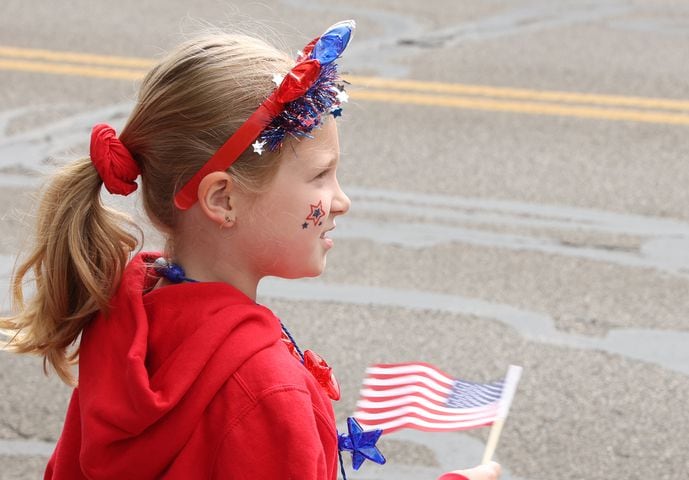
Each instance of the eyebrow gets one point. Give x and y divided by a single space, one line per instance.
332 162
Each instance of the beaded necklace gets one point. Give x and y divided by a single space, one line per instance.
361 443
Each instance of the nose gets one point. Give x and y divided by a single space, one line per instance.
341 202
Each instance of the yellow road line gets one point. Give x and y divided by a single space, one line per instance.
74 57
373 82
461 96
522 94
523 107
62 69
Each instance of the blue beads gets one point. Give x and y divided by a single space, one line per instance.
171 271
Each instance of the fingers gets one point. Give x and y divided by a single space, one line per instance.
490 471
497 469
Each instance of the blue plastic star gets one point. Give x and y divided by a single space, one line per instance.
337 112
362 444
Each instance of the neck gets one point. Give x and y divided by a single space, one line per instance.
205 265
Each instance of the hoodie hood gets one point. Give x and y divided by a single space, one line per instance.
151 366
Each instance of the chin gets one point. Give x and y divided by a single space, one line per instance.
310 272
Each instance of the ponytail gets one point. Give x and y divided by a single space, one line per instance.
188 106
81 250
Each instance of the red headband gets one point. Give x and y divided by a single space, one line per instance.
314 68
294 85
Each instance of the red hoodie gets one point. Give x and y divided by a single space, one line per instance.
192 381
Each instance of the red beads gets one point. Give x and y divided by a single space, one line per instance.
323 374
290 346
318 367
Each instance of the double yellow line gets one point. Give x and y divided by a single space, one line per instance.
410 92
73 63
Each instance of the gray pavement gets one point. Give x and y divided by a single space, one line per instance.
483 232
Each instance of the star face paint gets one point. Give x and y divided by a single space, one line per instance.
304 196
316 214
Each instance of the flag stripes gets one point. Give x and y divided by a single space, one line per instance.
420 396
410 368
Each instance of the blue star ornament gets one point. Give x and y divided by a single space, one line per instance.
361 443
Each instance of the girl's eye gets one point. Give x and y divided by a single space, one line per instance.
322 174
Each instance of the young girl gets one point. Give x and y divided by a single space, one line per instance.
182 375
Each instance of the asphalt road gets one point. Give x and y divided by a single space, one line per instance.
518 171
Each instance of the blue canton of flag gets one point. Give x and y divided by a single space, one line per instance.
470 395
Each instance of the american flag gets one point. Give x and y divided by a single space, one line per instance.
420 396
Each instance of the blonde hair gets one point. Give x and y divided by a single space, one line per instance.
188 106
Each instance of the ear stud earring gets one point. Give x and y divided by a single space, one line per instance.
228 221
228 218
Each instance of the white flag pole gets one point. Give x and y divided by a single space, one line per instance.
514 373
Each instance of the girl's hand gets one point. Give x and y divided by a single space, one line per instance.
490 471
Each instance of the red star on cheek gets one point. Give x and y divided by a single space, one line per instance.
316 213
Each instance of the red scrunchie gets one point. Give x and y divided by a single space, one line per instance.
115 165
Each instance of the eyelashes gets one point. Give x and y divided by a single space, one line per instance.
322 174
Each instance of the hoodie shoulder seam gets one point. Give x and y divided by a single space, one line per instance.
282 388
245 388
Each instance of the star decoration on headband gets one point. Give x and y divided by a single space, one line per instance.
305 113
277 79
342 96
361 443
258 146
323 89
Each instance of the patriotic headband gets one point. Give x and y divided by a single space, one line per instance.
295 107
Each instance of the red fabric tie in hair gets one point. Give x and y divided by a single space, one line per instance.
115 165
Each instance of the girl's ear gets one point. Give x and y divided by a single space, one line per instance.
214 196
